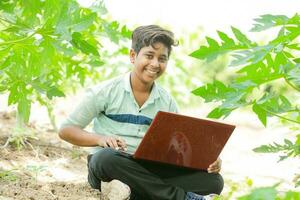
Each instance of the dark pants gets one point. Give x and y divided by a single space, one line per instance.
150 180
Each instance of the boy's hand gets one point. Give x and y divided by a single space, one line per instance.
215 167
113 142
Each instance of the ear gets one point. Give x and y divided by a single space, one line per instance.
132 55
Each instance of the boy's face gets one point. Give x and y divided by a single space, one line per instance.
150 62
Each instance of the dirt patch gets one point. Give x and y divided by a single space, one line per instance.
47 169
27 188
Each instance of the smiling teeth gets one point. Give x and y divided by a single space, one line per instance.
151 72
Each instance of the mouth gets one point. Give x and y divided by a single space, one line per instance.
152 72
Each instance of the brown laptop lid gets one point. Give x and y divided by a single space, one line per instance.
183 141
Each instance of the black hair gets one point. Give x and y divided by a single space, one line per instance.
148 35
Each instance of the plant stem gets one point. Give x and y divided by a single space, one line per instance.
19 40
51 116
5 20
290 84
279 116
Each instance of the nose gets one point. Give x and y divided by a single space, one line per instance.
155 62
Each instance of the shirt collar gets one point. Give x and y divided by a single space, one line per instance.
154 92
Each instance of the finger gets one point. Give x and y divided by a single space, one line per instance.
216 170
110 144
217 163
213 165
122 143
114 142
104 145
213 169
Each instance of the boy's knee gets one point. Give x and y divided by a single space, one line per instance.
105 157
219 184
100 165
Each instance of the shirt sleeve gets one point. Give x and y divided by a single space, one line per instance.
173 106
85 111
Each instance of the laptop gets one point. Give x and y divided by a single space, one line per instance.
183 141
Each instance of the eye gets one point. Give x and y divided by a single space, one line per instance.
163 59
149 56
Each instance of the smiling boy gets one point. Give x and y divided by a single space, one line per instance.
122 109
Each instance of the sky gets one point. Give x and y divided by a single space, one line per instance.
211 15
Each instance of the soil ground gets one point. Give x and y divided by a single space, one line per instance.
48 169
52 169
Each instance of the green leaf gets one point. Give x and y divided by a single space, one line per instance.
212 91
83 23
260 73
290 195
281 158
227 41
213 50
298 140
296 60
285 104
251 56
219 112
6 5
99 7
268 21
112 31
275 104
288 142
293 76
13 94
84 46
271 148
262 149
241 37
2 88
295 20
293 46
126 32
264 193
54 92
261 113
96 63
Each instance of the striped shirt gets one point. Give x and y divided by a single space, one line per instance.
114 111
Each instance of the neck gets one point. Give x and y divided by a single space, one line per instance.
138 85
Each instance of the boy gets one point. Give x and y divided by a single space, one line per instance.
122 110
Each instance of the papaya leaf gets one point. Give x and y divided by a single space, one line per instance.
296 60
261 113
269 21
293 76
213 50
295 46
84 46
212 91
242 38
82 23
263 149
54 92
219 112
266 193
298 140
